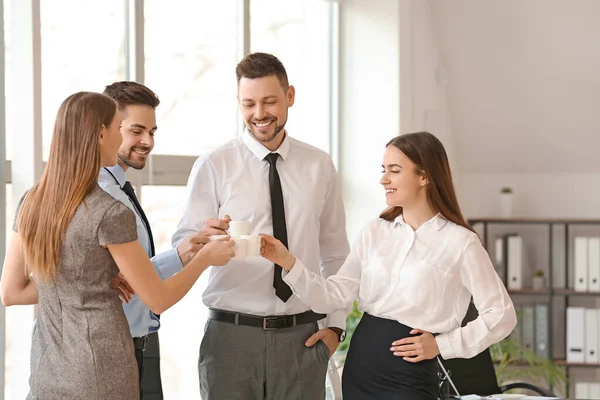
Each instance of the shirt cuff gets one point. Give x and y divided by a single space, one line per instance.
444 346
336 320
294 274
167 264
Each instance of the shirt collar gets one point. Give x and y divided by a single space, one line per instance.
261 151
118 173
437 222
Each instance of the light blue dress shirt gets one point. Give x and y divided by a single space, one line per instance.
141 320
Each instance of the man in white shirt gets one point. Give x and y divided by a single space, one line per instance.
261 341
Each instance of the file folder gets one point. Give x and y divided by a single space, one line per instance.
541 330
581 264
594 265
591 336
515 262
575 334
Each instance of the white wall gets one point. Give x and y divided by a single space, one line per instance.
391 82
423 83
559 195
523 84
369 102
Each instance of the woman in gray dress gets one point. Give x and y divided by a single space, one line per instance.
71 239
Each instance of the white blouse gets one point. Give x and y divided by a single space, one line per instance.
423 279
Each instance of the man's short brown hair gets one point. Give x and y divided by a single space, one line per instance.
259 65
128 93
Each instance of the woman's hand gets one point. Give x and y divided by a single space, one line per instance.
273 250
421 346
217 252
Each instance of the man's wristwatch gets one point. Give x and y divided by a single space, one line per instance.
340 332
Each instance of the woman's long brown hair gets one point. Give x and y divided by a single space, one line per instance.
431 160
70 175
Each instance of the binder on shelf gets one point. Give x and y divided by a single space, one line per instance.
580 255
528 328
591 336
582 390
593 390
514 262
499 257
575 334
541 330
594 264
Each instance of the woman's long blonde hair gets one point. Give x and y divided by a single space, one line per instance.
70 175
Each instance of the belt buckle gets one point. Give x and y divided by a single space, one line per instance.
145 340
266 321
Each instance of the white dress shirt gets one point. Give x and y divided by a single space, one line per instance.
423 279
234 181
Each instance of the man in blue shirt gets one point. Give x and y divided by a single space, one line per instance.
136 104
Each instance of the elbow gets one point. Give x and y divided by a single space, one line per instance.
158 308
506 324
158 305
7 299
511 321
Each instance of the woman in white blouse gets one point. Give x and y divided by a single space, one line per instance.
413 271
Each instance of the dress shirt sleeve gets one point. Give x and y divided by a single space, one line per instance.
333 239
202 200
335 293
497 317
167 263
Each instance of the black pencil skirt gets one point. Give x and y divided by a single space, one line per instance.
371 371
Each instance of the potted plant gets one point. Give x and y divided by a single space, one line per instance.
538 280
515 363
506 201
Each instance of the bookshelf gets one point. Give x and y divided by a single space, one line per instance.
555 238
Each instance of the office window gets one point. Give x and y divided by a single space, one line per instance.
182 326
83 48
190 64
299 33
19 328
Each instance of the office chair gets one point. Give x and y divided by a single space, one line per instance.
477 375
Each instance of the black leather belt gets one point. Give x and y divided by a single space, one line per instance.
140 343
271 323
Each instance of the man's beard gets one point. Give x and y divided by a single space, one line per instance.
261 138
126 159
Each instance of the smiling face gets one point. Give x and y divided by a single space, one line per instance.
264 104
138 128
403 184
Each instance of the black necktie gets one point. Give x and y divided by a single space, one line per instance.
128 189
282 290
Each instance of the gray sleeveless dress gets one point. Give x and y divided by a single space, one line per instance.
82 348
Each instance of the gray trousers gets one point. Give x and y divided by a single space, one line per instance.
247 363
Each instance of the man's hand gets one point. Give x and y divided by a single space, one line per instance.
422 346
214 226
188 248
122 287
329 337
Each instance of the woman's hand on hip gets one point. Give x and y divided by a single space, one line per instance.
421 346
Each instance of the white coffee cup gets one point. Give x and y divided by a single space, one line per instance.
240 248
253 245
239 228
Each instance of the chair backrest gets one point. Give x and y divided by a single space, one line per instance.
473 375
